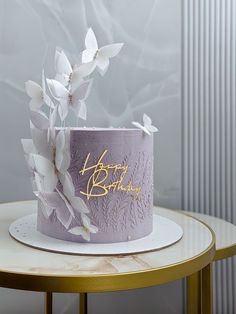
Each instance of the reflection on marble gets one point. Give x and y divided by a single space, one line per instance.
144 78
225 231
20 258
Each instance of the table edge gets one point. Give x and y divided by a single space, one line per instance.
111 282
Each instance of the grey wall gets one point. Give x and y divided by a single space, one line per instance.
145 78
209 123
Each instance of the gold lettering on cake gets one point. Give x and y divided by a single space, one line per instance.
97 184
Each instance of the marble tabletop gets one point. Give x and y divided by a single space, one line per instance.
225 233
28 268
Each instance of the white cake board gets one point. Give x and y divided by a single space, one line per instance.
165 233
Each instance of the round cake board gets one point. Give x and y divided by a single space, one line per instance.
165 233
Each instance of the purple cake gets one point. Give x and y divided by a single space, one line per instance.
91 184
112 171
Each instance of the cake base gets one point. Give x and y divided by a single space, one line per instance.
165 233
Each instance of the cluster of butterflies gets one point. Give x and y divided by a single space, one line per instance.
71 86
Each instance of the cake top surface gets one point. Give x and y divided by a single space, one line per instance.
98 129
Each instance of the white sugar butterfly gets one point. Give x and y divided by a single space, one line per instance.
55 161
147 126
84 230
40 120
65 203
38 94
74 99
100 56
67 74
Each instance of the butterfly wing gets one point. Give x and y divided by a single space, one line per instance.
80 231
43 85
88 55
62 158
62 64
46 98
80 72
67 203
46 209
54 201
110 51
78 98
63 108
68 186
57 90
147 121
102 63
79 205
34 91
91 47
86 69
140 126
60 93
87 224
41 144
46 169
82 91
38 182
52 122
104 54
39 119
43 165
62 78
82 112
80 109
90 40
28 147
152 128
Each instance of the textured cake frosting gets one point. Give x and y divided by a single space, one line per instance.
112 171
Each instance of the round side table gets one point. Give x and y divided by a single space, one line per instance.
23 267
225 234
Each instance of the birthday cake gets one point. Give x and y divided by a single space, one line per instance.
92 184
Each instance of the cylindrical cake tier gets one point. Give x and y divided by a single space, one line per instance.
112 171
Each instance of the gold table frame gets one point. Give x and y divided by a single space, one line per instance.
84 284
199 285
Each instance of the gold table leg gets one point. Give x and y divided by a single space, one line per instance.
194 293
83 303
207 290
199 292
48 303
